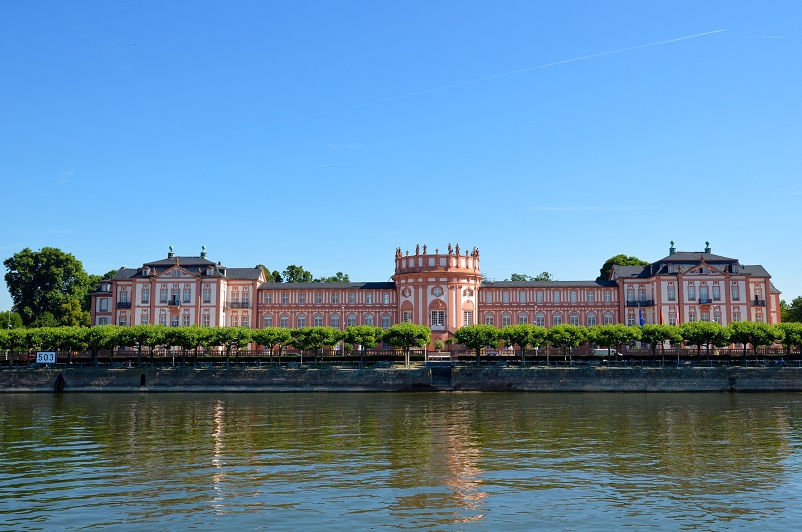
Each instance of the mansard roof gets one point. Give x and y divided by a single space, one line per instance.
328 286
696 257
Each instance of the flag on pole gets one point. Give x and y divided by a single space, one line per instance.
640 315
662 318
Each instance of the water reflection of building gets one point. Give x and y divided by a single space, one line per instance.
444 290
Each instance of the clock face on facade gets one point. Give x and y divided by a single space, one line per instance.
437 291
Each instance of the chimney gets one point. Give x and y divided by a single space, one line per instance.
672 249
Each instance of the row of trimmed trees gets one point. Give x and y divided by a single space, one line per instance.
698 333
403 336
228 339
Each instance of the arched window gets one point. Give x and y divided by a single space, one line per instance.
557 319
608 318
351 320
318 320
591 318
301 320
268 320
385 321
574 318
505 319
540 319
335 321
368 319
284 321
488 319
523 318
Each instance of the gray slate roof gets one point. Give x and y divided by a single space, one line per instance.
329 286
549 284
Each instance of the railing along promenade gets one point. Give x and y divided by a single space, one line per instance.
291 359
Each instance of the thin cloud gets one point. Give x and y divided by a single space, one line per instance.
503 74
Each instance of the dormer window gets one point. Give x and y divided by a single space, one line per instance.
702 270
176 273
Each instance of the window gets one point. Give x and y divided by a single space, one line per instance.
703 292
717 317
467 317
144 319
176 296
368 319
245 322
489 319
123 296
672 318
505 297
335 321
505 320
206 320
523 318
736 293
736 316
234 321
557 319
591 319
521 297
556 297
187 292
692 316
163 319
607 297
437 291
716 293
176 273
608 318
692 293
630 319
351 322
641 294
284 298
488 297
174 321
573 296
351 298
163 295
630 294
318 320
318 298
268 298
539 297
335 299
705 316
591 297
246 298
123 321
437 318
301 320
104 304
386 299
574 318
368 299
146 295
540 319
207 295
672 296
103 321
267 321
185 320
406 316
302 298
385 321
759 317
284 321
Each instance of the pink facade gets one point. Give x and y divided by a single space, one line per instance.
442 290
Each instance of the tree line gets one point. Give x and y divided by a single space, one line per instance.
403 336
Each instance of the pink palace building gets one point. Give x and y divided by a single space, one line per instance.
442 290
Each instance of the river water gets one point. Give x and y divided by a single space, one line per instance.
433 461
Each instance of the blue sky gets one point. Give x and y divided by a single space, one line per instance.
550 135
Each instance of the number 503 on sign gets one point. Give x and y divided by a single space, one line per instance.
45 357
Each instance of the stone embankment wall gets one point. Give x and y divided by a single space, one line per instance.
769 379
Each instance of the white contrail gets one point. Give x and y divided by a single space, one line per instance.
505 74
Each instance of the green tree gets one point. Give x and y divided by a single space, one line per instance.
753 333
618 260
792 311
791 333
270 337
73 315
368 336
232 339
614 335
339 277
567 336
137 336
271 277
703 333
296 274
42 281
655 334
544 276
13 317
102 337
407 335
314 339
523 335
478 336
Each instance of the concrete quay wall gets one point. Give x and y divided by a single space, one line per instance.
467 379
